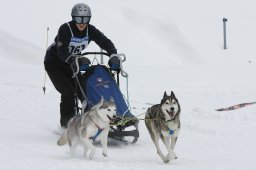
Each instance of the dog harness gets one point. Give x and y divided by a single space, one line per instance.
171 132
77 45
93 138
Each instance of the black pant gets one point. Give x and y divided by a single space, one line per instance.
62 80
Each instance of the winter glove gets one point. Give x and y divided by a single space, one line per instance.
83 67
84 64
114 63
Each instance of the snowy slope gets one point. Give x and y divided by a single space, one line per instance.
170 45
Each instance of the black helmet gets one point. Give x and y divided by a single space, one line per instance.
81 13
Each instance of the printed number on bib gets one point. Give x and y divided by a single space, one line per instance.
77 49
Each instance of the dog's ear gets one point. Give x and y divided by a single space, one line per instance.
111 99
172 95
165 95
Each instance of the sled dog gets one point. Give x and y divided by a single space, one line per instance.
163 121
89 127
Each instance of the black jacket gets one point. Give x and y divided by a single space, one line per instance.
58 55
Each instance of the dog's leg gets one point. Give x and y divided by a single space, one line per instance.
88 146
173 142
63 139
166 141
155 137
104 142
91 155
73 146
159 152
170 144
85 151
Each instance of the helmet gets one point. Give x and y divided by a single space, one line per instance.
81 13
81 10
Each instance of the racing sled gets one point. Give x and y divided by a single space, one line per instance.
98 80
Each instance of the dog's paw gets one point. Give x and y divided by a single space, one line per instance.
91 155
85 154
104 154
166 160
172 156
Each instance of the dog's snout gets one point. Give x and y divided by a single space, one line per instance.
172 108
114 116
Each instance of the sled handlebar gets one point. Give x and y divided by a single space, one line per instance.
120 56
94 53
106 54
86 53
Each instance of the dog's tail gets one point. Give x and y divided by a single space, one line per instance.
63 139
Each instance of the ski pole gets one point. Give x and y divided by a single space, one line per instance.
44 88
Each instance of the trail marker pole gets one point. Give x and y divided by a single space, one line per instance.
225 33
47 32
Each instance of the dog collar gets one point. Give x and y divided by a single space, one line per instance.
167 120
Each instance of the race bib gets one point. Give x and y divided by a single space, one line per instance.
77 45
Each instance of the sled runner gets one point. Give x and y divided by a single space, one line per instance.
98 80
237 106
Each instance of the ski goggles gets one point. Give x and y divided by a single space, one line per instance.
81 20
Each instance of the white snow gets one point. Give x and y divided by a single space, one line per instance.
170 45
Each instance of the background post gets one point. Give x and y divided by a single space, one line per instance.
47 32
225 32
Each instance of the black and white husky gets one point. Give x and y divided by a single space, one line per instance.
89 127
163 121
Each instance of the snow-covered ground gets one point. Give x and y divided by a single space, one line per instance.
170 45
